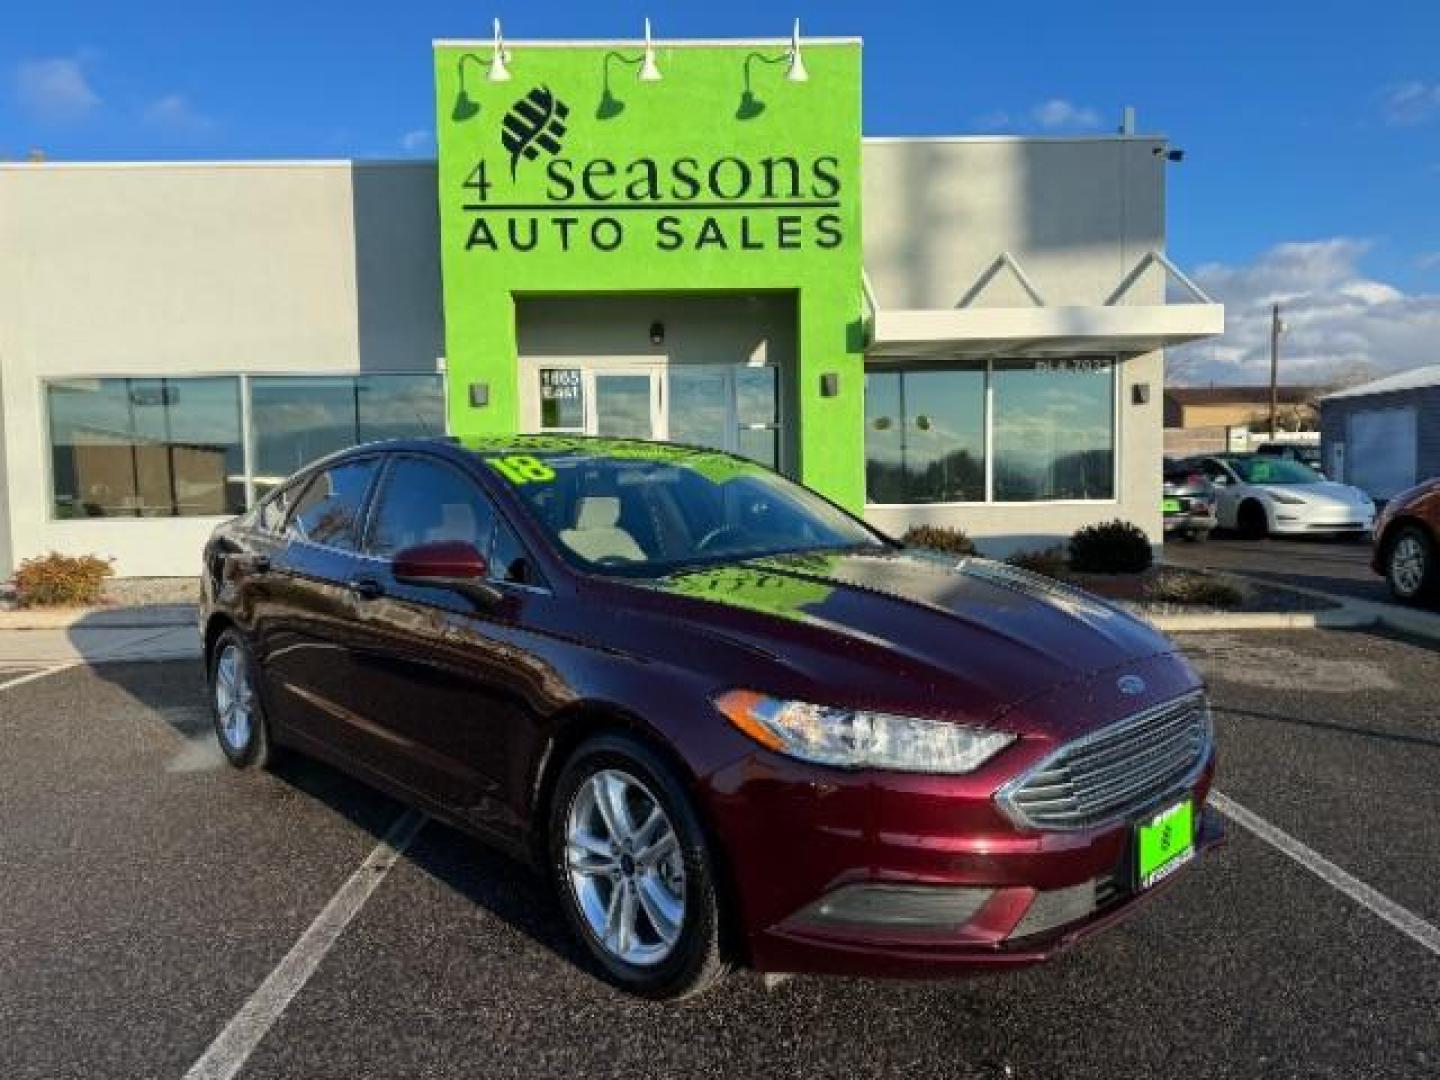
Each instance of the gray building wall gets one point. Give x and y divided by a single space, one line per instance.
1335 418
1078 215
175 269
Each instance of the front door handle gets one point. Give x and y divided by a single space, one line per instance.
365 588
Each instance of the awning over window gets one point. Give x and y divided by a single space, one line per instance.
1112 327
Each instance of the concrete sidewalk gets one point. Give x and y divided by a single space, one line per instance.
161 632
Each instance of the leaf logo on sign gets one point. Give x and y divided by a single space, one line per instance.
534 123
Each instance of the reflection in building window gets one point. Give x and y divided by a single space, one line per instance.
1054 429
146 447
925 436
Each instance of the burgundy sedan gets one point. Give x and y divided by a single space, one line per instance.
733 723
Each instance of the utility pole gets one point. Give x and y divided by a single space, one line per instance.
1274 366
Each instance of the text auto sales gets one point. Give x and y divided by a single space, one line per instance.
776 203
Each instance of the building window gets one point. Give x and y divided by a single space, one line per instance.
296 419
151 447
146 447
1054 429
997 431
925 436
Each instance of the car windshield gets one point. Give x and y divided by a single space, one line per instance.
646 510
1272 470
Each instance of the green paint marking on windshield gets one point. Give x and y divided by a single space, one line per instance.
522 469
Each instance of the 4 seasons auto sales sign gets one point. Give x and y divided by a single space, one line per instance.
573 176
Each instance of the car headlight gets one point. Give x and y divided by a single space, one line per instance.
1287 498
859 738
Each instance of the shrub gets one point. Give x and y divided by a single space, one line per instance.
1049 561
1115 547
1201 590
57 580
939 538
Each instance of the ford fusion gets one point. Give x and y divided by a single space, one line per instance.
732 723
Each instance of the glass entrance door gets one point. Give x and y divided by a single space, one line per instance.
698 407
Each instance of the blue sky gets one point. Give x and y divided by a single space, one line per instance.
1311 130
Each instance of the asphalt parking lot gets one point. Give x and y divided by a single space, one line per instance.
150 891
1337 565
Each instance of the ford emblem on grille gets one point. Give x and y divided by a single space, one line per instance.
1130 685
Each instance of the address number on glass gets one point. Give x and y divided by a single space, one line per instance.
1075 365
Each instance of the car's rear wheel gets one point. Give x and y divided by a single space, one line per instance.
1253 523
239 715
633 870
1410 567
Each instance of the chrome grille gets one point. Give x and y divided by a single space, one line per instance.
1115 771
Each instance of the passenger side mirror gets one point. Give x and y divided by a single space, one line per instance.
448 564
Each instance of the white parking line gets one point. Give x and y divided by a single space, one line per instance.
21 680
1403 919
225 1056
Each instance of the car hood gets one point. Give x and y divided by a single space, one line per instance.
1327 491
971 630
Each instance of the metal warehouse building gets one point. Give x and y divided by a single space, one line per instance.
1384 436
963 331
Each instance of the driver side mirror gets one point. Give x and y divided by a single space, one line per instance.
448 564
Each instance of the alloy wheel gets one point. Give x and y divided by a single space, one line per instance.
234 698
1407 565
626 871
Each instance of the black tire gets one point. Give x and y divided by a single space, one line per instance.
695 961
255 750
1252 522
1409 583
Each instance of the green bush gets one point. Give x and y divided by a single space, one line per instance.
939 538
1201 590
1115 547
57 580
1049 561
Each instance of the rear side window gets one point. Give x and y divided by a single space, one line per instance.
329 510
425 502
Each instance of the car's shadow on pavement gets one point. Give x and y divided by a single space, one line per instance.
506 888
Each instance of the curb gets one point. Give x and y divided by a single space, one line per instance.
1342 619
158 617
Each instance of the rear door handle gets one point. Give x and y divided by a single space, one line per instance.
365 588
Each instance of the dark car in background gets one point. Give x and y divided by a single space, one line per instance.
729 720
1406 548
1187 502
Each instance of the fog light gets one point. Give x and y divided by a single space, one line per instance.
911 907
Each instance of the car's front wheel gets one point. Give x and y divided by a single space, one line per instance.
238 713
1252 521
1410 568
633 870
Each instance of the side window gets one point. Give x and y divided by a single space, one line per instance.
270 514
508 561
328 511
424 502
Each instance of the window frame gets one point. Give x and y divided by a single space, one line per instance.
302 485
901 365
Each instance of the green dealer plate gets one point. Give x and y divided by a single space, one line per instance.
1164 843
1170 506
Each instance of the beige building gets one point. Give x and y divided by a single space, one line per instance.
176 337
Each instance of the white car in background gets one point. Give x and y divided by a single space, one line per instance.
1260 494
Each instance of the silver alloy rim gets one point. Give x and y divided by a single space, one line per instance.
1407 565
234 698
626 872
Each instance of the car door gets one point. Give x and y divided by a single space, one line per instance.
446 681
1227 491
307 626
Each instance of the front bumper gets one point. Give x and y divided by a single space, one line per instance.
962 888
1321 519
1188 522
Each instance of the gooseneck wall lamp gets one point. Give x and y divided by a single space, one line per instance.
750 105
611 106
466 107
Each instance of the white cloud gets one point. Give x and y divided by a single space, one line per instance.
1410 103
1339 323
1058 113
419 139
175 115
55 89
